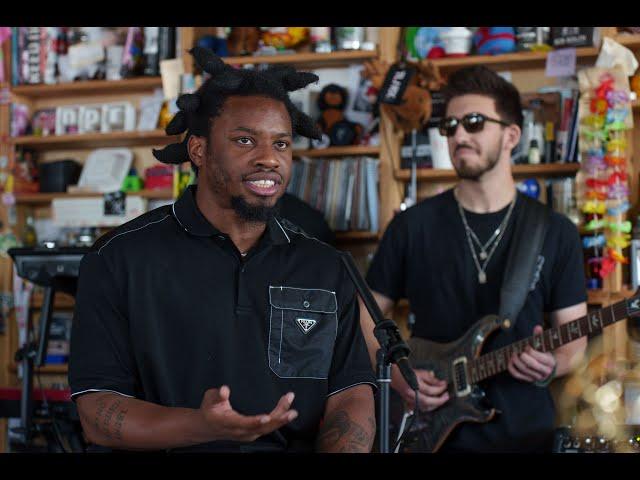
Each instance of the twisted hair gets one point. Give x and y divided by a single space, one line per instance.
197 110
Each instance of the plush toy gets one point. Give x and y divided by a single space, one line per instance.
332 101
494 40
415 109
243 40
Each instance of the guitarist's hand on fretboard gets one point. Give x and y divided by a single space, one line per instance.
532 365
432 394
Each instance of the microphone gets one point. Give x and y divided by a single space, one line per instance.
386 331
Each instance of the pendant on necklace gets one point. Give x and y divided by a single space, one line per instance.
482 277
483 255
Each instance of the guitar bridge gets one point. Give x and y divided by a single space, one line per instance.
461 385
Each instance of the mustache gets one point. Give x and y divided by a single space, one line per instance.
465 145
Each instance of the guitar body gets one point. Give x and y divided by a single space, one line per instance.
466 402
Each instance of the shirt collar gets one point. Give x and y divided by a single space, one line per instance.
191 219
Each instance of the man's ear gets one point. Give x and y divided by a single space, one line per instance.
197 148
512 137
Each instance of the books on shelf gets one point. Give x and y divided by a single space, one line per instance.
344 190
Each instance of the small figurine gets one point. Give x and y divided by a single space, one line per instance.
243 40
332 101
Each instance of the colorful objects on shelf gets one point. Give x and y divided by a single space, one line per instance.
605 117
494 40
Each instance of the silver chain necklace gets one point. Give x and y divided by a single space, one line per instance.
471 237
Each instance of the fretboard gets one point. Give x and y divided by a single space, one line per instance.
495 362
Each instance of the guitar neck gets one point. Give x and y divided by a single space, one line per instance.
492 363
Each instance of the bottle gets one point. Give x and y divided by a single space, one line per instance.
29 235
534 152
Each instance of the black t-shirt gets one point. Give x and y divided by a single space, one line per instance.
424 256
167 308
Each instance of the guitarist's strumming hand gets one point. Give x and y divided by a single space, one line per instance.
532 365
432 391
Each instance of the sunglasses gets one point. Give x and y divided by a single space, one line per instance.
472 123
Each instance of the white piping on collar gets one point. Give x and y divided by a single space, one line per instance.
285 233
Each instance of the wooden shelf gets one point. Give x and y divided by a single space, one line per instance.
61 300
541 170
601 297
62 369
510 61
95 140
524 60
35 198
338 151
631 40
357 236
308 59
89 87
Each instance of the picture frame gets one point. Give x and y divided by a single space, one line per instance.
118 117
105 169
90 119
67 118
150 108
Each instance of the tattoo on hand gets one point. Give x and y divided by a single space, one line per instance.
340 434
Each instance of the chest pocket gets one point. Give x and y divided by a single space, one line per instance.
302 331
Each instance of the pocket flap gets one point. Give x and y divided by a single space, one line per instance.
305 299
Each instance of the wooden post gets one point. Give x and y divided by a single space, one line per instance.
391 191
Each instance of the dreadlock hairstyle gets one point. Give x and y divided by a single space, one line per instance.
197 110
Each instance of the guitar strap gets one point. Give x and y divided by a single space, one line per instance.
530 228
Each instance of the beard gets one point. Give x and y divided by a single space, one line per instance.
253 213
474 172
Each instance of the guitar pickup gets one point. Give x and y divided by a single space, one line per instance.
460 377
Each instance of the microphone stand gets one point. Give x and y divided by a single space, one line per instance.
393 349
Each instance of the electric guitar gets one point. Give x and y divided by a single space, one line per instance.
462 366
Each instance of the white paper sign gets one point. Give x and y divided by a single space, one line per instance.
561 63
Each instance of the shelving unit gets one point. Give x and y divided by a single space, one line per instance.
94 140
62 369
307 60
92 87
357 236
42 198
519 171
338 151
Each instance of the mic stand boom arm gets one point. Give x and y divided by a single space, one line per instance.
393 349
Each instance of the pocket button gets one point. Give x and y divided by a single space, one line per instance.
306 304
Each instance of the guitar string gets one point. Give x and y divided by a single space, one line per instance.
619 309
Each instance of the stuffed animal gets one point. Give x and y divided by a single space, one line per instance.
332 101
494 40
243 40
415 109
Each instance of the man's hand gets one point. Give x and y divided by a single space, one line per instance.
432 392
532 365
226 424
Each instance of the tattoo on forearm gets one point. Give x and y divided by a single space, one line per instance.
104 415
340 434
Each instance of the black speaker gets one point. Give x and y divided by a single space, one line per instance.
56 176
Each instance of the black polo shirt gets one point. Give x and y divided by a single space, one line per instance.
167 308
424 257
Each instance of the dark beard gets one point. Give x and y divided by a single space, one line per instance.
253 213
474 173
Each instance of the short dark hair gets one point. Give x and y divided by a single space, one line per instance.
480 80
199 109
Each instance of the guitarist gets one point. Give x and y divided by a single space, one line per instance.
447 256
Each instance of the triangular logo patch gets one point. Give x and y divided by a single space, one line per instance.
306 324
